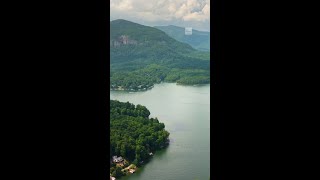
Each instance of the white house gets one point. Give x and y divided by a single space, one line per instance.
117 159
131 171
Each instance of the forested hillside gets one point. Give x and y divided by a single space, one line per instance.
141 56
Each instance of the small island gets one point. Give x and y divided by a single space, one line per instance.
134 137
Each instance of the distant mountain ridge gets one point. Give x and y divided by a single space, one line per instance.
199 40
144 40
141 56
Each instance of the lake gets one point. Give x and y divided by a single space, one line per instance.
185 111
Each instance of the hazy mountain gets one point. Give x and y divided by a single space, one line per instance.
199 40
149 53
134 42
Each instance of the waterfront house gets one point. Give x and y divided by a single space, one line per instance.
117 159
131 171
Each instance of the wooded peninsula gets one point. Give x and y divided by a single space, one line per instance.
134 137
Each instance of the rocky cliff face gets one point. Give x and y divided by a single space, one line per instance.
123 40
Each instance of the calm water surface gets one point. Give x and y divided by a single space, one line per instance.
185 111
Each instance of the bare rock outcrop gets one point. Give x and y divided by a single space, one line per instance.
123 40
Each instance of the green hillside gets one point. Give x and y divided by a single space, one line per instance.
199 40
142 56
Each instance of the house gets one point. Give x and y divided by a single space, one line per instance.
117 159
131 171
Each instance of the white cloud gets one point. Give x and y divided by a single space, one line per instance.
198 15
162 11
121 5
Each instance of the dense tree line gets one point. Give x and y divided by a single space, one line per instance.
145 78
133 135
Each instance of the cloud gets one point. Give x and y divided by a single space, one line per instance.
169 11
121 5
199 15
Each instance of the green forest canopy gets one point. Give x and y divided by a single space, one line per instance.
133 135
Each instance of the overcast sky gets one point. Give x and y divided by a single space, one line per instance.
184 13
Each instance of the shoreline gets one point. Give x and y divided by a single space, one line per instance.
132 168
159 165
120 88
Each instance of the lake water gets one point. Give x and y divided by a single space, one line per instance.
185 111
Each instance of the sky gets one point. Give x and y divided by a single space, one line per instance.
183 13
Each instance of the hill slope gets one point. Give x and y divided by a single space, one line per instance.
141 56
199 40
